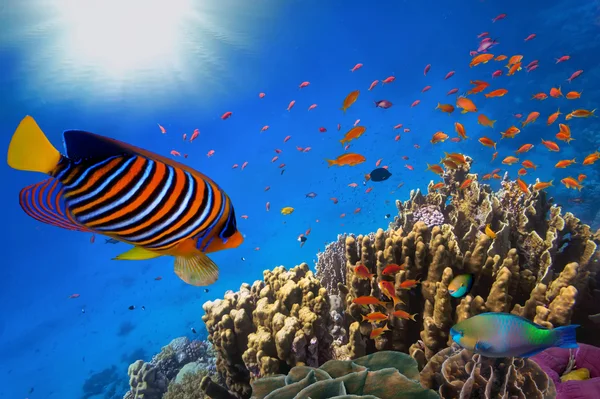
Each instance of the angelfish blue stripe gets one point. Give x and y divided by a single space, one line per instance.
227 222
123 199
106 182
199 221
157 229
65 170
214 222
146 211
91 169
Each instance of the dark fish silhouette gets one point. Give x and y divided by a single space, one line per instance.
380 174
312 194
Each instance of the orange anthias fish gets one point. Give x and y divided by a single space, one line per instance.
460 130
448 108
401 314
392 269
550 145
362 272
510 160
496 93
350 159
408 284
480 59
524 148
350 99
387 289
572 95
513 60
435 168
583 113
553 117
487 142
542 185
375 316
564 163
523 186
466 105
510 133
438 136
368 300
516 67
529 165
555 93
592 158
376 332
570 182
485 121
352 134
539 96
532 117
465 184
108 187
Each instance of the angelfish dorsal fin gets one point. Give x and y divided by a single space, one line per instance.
80 144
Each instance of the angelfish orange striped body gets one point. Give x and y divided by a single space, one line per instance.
132 195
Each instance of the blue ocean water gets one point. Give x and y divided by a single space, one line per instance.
219 59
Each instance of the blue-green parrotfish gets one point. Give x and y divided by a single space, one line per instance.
460 285
507 335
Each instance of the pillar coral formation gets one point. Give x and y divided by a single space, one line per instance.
541 264
269 327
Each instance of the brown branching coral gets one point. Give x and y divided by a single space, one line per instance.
540 264
269 327
457 373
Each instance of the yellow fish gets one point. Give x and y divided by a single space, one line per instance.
288 210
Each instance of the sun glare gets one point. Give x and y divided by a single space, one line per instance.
120 37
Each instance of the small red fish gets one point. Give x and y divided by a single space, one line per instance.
244 165
389 79
175 153
287 138
427 69
313 106
563 58
162 129
244 216
268 206
499 17
304 84
291 105
158 278
392 269
267 188
226 115
415 103
449 75
575 75
375 83
195 135
426 88
409 167
210 153
322 129
73 296
334 200
362 272
530 37
356 67
452 91
261 95
408 284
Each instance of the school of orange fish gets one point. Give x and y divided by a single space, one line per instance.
467 103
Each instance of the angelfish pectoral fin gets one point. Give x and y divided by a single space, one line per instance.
137 253
197 269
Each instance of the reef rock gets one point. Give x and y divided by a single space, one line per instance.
540 264
457 373
269 327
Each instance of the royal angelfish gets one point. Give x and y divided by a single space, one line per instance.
508 335
108 187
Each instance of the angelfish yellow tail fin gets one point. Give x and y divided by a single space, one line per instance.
30 149
197 269
137 253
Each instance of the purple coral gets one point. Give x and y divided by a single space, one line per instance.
331 265
429 214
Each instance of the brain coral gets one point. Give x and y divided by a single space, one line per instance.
383 375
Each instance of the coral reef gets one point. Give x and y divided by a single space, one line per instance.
383 375
269 327
105 384
457 373
149 380
541 264
331 265
187 384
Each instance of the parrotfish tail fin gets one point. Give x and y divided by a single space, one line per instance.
137 253
197 269
330 162
566 337
30 149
